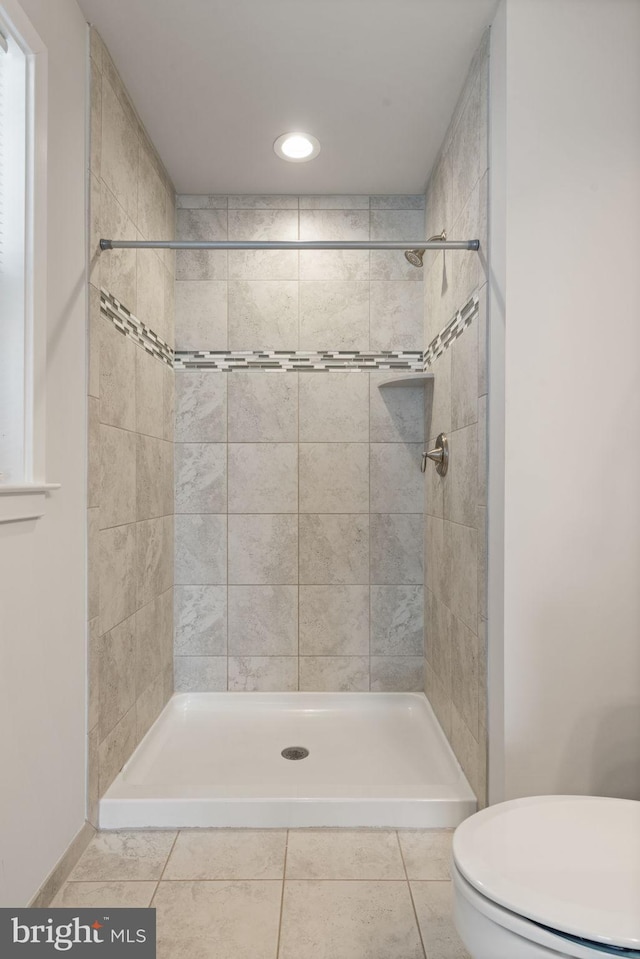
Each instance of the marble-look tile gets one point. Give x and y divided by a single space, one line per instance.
344 854
483 452
168 330
426 852
464 378
119 168
200 674
96 229
263 478
334 407
438 397
461 484
117 373
200 477
483 678
154 477
201 315
166 620
358 201
466 160
436 558
434 908
150 290
396 549
438 296
392 674
201 201
117 575
113 895
93 563
398 201
396 415
95 322
263 314
124 856
397 485
152 625
117 268
95 48
263 674
483 559
461 564
396 315
438 203
114 751
201 224
464 675
263 224
439 639
201 406
169 404
201 264
469 271
149 705
269 201
93 457
228 920
334 478
154 548
116 664
393 265
397 621
335 674
263 407
200 617
228 854
201 549
334 264
465 746
395 224
263 264
148 390
263 550
439 698
170 216
334 549
334 620
483 342
93 775
334 315
348 920
342 224
263 621
152 199
93 673
434 485
95 135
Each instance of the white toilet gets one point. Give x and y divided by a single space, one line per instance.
549 876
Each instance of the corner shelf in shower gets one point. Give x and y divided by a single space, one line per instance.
411 379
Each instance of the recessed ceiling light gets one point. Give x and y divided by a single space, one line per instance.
297 147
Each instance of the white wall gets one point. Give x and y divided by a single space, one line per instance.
42 562
567 216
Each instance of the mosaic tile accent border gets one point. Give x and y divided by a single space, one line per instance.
451 331
283 361
404 361
131 326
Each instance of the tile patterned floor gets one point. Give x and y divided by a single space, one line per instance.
278 894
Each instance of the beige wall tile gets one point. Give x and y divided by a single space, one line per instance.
334 673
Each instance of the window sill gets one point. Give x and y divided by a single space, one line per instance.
24 501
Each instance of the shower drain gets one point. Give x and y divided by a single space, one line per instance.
295 752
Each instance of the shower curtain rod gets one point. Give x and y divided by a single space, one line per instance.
289 245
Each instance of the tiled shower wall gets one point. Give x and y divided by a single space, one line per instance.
299 498
130 467
456 505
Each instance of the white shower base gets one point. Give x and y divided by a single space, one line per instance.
213 759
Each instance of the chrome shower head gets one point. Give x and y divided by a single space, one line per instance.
415 256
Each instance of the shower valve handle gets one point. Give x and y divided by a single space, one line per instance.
439 454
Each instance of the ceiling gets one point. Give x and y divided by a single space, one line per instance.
216 81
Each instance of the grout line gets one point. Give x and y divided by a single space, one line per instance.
284 877
173 845
413 905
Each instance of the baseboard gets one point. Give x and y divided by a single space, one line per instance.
60 872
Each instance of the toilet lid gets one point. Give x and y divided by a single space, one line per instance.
570 863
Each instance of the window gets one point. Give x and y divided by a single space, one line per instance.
13 166
23 126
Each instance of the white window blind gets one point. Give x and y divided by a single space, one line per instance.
13 211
